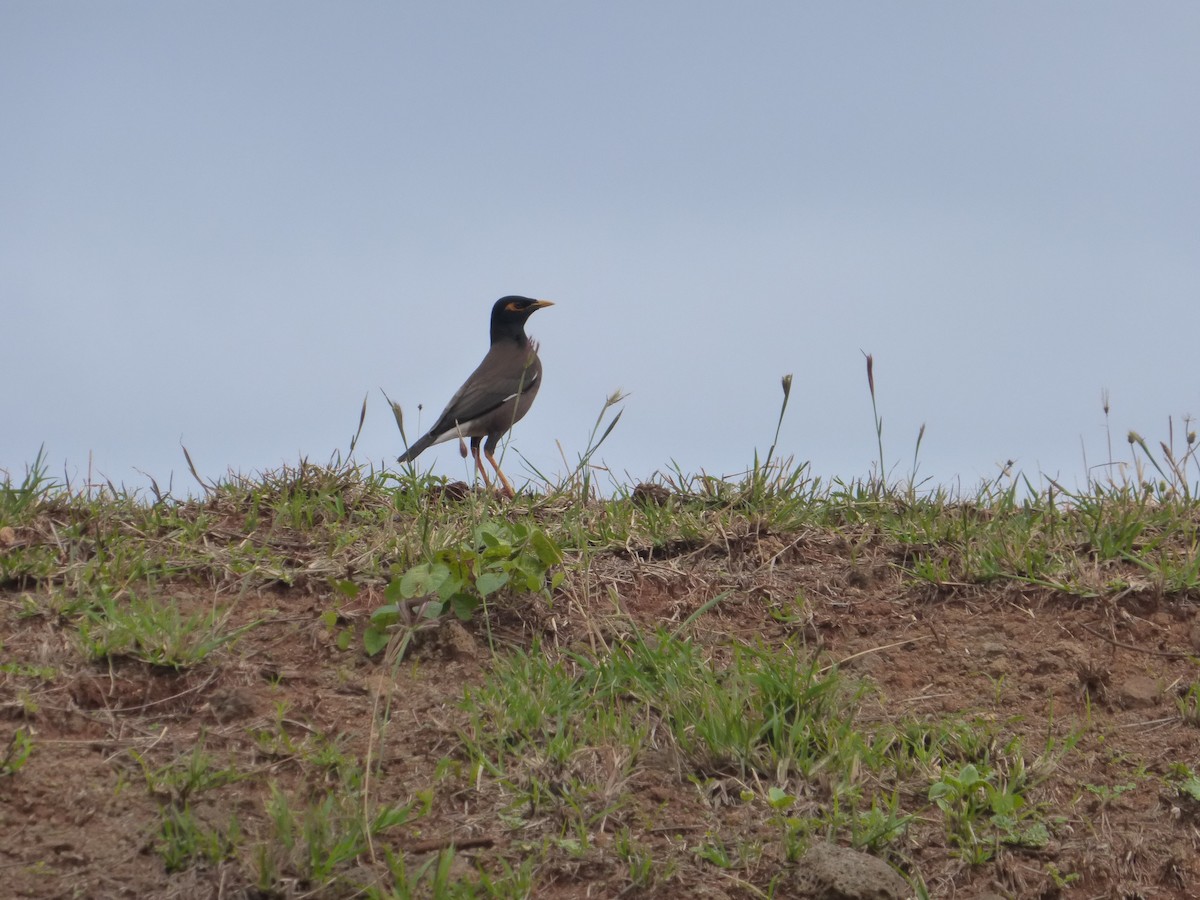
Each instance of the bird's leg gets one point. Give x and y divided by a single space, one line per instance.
508 488
479 463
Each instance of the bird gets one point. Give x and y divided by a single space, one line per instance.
497 394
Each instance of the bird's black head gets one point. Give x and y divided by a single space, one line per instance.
509 315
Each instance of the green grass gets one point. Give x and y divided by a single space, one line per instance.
16 753
154 631
772 719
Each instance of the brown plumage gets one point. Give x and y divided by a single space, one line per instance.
497 394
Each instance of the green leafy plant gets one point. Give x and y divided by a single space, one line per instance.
1185 781
714 851
503 555
1189 705
1107 793
17 753
981 813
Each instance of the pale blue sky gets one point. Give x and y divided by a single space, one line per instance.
223 223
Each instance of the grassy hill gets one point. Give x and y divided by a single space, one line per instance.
332 682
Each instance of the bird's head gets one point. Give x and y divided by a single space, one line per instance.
509 315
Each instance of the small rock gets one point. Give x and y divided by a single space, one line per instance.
869 664
230 704
648 493
1047 663
992 649
1075 655
8 536
830 872
457 641
1194 635
453 491
1137 692
858 577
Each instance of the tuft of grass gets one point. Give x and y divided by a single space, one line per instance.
18 500
184 839
154 631
17 753
314 839
578 480
178 782
1188 704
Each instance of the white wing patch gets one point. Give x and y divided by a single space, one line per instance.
524 388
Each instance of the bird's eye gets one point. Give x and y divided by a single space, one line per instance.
513 307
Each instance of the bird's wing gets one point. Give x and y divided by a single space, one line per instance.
497 379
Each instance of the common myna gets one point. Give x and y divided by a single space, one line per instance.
498 393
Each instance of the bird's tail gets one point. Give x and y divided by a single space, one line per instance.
417 449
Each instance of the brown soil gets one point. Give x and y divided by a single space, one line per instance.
80 818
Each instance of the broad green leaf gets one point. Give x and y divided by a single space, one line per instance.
533 575
375 639
464 605
547 551
424 579
385 615
347 589
779 799
489 535
394 592
490 582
